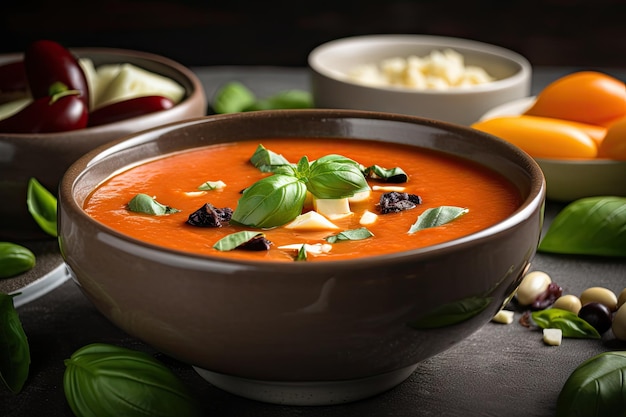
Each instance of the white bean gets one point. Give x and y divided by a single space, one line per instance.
568 302
599 295
533 284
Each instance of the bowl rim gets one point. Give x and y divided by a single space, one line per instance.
528 207
192 78
524 72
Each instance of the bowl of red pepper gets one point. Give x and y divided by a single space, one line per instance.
58 103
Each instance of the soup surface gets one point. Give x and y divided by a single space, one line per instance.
439 179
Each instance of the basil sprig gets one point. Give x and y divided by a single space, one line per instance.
108 381
278 199
595 388
589 226
143 203
570 324
14 349
437 216
42 205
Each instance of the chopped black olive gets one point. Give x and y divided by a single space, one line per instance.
257 243
209 216
395 202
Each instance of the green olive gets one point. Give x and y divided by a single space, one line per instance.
599 295
569 303
15 259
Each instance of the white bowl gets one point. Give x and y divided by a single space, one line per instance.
331 87
568 180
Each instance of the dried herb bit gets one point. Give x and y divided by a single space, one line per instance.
143 203
354 234
394 175
209 216
238 239
395 202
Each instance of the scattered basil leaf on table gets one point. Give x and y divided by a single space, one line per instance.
588 226
104 380
354 234
596 388
14 349
143 203
235 97
437 216
234 240
42 205
570 324
15 259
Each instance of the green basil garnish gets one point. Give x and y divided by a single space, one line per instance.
589 226
15 259
452 313
302 255
212 185
14 349
335 176
42 206
143 203
233 97
596 388
570 324
393 175
354 234
234 240
437 217
268 161
107 380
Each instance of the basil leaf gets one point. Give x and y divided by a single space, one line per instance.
14 349
268 161
302 255
354 234
106 380
437 217
570 324
452 313
212 185
270 202
234 240
233 97
42 206
143 203
335 176
288 99
595 388
15 259
589 226
393 175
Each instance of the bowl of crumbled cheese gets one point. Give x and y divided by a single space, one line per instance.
445 78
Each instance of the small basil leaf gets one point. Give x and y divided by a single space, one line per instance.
212 185
589 226
595 388
143 203
42 206
14 349
570 324
15 259
335 176
233 97
234 240
302 255
270 202
354 234
394 175
452 313
269 161
437 217
288 99
106 381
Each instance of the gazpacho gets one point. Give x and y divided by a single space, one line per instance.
303 199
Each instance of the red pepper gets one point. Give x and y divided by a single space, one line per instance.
62 112
47 62
13 77
126 109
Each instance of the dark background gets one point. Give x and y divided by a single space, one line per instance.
587 33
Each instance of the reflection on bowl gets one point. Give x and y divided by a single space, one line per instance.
332 88
46 156
569 180
301 332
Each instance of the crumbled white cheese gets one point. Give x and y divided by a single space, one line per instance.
311 220
504 317
368 218
388 188
440 70
315 249
552 337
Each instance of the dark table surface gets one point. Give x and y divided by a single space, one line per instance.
501 370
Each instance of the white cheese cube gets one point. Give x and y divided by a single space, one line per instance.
552 337
368 218
504 317
332 208
311 220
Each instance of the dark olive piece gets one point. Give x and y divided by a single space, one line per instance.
598 315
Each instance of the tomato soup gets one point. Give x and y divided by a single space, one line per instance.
437 178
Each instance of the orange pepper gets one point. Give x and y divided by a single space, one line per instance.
613 145
585 96
541 137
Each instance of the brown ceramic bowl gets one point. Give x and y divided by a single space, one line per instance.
47 156
300 333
